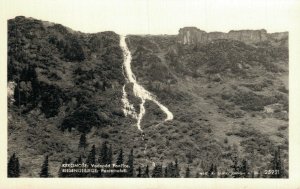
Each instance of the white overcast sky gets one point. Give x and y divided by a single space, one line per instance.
159 16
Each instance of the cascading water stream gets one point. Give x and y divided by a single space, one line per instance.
138 90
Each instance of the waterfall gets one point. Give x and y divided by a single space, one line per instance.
138 90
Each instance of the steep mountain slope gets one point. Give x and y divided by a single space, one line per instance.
222 93
65 83
228 98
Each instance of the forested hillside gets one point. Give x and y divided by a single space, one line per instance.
227 97
229 100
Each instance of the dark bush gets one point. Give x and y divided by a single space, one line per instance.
83 119
104 135
73 50
249 101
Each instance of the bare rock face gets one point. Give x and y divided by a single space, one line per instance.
278 35
193 35
248 36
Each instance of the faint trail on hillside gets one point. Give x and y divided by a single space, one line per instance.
138 90
161 56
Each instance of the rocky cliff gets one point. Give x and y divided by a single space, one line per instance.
193 35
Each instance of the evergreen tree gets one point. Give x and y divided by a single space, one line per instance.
177 169
13 167
120 162
130 170
211 172
11 172
166 172
120 157
245 168
44 171
69 160
215 171
157 171
187 172
110 155
91 159
109 161
17 167
173 170
103 154
170 170
146 173
197 175
235 166
79 160
82 141
139 174
277 165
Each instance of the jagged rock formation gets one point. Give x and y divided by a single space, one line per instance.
193 35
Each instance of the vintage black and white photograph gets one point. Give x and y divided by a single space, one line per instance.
155 96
